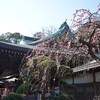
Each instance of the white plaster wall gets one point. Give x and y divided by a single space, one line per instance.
83 79
69 80
97 77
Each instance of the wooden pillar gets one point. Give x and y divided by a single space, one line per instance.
73 84
94 81
72 79
94 77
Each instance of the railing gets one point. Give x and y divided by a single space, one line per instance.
30 97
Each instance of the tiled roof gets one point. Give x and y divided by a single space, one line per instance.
86 66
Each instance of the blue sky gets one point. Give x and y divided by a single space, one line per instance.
29 16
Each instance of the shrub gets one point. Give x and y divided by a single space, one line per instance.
24 87
13 96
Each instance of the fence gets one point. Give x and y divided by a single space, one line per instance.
31 97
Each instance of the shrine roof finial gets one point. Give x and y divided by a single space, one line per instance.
66 20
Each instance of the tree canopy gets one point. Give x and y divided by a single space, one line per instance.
87 39
46 31
10 37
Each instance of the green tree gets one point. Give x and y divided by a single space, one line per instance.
10 37
40 76
13 96
37 35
